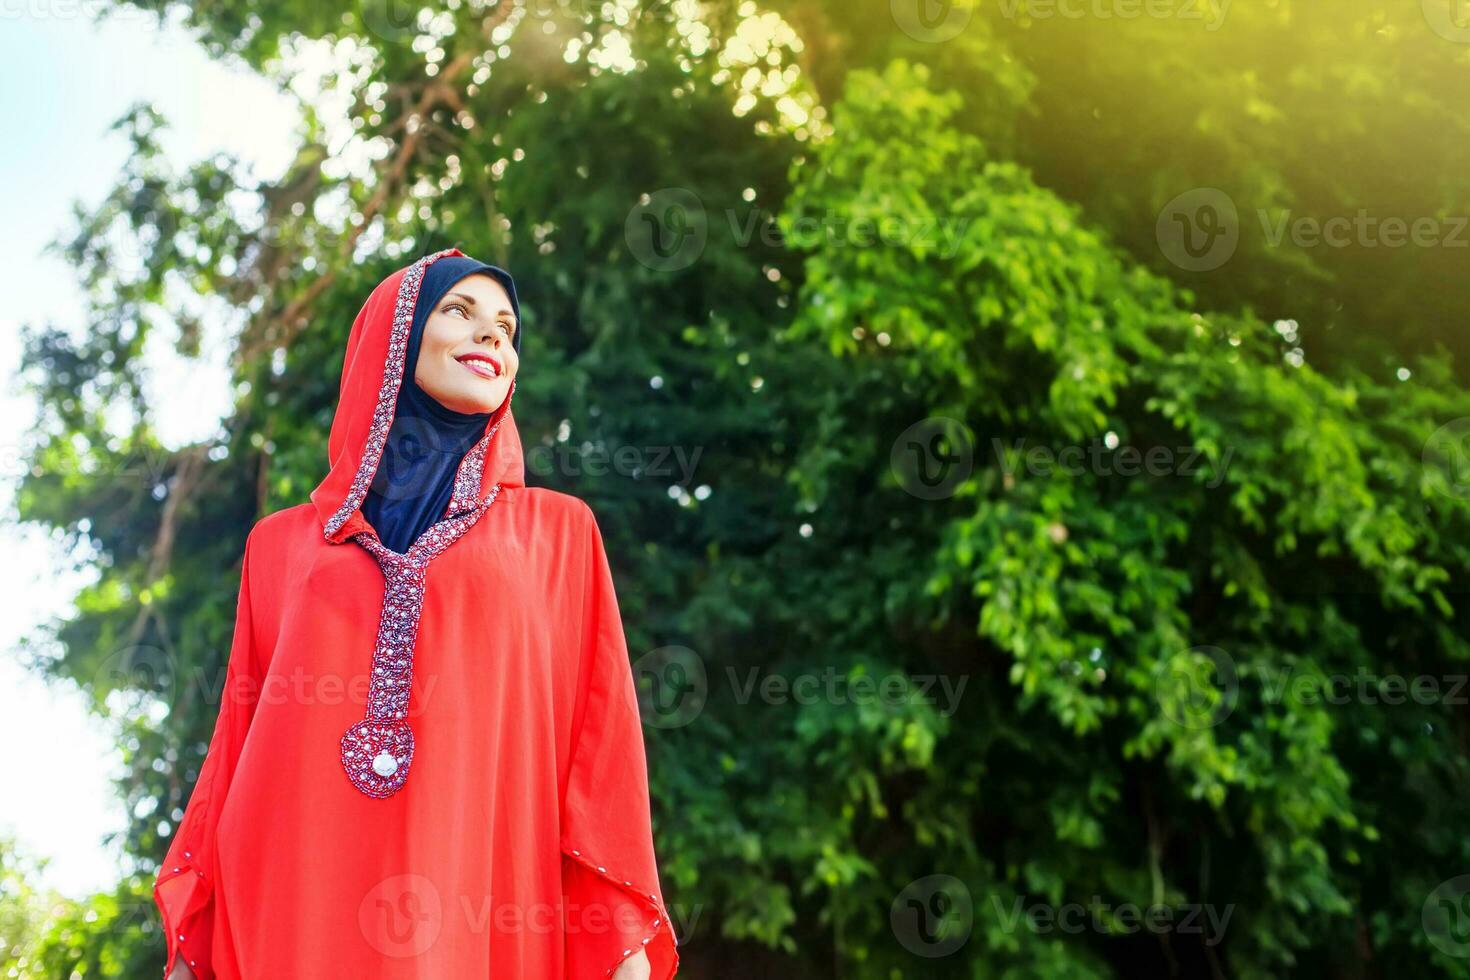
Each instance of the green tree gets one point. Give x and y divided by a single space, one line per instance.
1130 659
23 909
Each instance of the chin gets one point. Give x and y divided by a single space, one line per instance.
467 395
482 401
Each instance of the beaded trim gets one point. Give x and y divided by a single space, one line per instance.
176 872
467 479
378 750
662 917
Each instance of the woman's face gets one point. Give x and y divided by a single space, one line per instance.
467 359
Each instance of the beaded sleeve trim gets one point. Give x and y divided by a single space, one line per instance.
176 945
649 899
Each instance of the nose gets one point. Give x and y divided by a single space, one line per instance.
488 332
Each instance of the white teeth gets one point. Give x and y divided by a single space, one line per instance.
475 364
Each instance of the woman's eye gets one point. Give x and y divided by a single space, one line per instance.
456 306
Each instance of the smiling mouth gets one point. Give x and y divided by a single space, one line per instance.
483 367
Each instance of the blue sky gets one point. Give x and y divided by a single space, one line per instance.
64 79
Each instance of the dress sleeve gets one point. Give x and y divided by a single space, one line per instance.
614 905
184 888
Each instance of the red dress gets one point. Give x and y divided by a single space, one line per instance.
425 766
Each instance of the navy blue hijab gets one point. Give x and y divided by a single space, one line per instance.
414 481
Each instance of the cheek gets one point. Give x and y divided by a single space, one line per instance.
439 339
439 336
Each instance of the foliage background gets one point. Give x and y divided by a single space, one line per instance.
1139 653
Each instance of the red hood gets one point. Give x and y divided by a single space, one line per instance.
372 372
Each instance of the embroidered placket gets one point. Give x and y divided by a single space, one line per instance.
377 751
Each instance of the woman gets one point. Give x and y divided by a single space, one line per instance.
428 761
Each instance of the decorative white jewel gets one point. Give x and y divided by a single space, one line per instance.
385 764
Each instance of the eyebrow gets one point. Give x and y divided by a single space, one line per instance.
471 301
